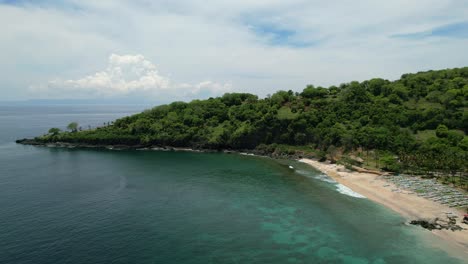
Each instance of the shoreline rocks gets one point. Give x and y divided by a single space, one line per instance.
450 223
257 152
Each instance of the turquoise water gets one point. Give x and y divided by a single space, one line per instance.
101 206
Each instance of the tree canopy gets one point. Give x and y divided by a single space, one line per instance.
422 113
73 127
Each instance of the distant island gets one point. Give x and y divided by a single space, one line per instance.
416 125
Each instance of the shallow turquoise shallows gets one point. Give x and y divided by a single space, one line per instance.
102 206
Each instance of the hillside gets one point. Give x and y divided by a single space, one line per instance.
420 115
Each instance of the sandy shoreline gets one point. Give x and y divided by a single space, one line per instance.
407 204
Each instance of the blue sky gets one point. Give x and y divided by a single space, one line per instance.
180 50
453 30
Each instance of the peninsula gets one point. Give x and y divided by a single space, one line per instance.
416 124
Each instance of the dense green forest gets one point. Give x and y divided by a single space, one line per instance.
418 122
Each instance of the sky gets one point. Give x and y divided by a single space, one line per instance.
172 50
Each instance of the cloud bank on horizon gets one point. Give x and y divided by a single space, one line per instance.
127 75
108 49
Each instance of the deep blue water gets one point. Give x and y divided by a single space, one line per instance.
101 206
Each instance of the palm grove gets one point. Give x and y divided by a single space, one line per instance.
416 124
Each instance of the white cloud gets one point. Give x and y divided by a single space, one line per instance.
196 41
127 75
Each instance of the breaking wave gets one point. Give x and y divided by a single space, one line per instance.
347 191
325 178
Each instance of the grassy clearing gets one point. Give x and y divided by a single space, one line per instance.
422 104
425 135
285 113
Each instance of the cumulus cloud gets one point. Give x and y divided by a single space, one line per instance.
128 75
258 46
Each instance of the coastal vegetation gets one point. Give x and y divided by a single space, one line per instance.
416 124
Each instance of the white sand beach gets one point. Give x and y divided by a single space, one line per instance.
408 204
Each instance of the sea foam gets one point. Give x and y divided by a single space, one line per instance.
325 178
347 191
339 187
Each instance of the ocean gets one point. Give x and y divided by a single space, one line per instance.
106 206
